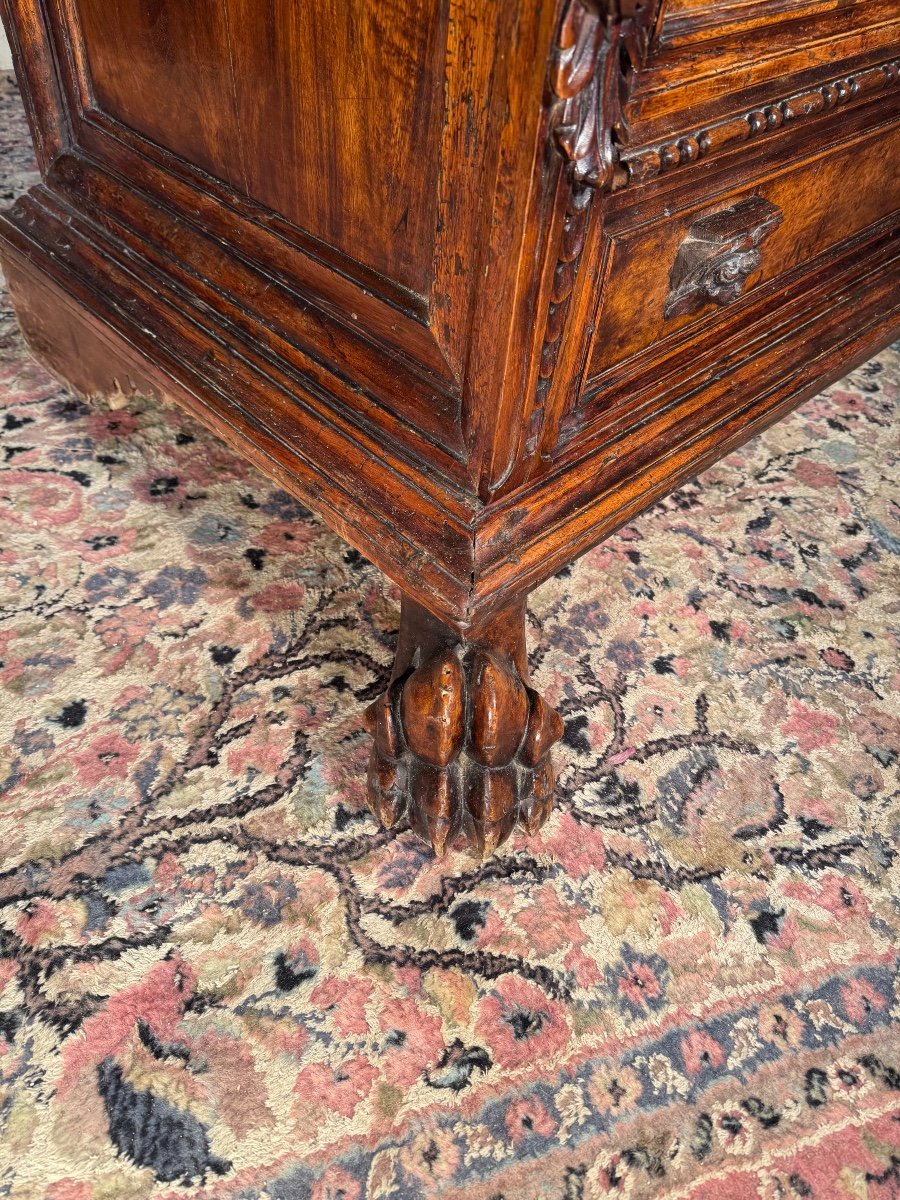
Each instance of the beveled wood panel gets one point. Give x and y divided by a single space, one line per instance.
144 59
328 112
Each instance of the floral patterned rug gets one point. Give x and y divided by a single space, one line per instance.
219 979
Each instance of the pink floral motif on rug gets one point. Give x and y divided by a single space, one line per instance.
218 978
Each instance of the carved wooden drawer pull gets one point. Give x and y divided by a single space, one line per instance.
719 254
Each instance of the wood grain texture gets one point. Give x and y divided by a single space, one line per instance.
477 282
711 61
268 84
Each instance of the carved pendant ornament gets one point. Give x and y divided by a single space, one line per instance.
599 44
719 254
462 747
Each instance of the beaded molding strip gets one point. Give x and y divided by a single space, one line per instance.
639 166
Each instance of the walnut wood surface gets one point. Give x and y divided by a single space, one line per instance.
477 282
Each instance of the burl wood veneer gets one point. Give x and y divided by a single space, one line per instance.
477 280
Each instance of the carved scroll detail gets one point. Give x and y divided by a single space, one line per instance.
641 165
719 254
462 747
599 44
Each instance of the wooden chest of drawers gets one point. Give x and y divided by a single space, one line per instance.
477 280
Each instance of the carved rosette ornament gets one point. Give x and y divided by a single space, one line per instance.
462 742
599 45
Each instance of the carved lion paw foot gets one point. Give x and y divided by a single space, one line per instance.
462 747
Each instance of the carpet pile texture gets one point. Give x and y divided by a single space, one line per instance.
218 978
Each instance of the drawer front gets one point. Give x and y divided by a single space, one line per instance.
687 268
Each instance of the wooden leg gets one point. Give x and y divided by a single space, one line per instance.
462 742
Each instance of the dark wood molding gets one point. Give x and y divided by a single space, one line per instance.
289 431
28 33
599 46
